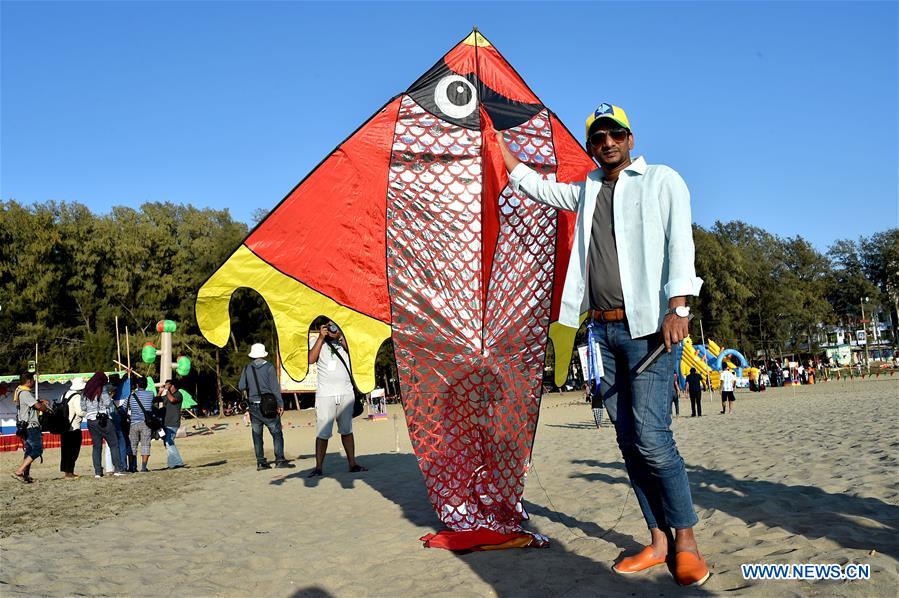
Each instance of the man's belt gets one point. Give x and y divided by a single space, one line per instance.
608 315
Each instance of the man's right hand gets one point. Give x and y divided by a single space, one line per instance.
324 332
509 160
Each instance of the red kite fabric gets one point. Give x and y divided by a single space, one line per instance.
409 230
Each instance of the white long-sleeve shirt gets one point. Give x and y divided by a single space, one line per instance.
653 236
76 413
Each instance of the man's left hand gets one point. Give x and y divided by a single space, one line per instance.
280 411
674 330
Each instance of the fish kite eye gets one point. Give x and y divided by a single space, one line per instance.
455 96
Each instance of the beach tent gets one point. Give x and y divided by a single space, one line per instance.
410 230
51 387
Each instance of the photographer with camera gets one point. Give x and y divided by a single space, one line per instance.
28 425
334 397
97 405
259 382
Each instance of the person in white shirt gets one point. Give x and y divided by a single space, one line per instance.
334 396
70 440
728 381
631 270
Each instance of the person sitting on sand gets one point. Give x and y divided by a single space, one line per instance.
334 396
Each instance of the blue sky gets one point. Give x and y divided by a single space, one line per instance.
780 114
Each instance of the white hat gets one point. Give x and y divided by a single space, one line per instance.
257 351
78 384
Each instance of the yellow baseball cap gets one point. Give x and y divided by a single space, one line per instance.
608 111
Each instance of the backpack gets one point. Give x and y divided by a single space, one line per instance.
57 420
268 404
152 417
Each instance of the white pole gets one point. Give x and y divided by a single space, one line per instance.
705 358
864 328
396 434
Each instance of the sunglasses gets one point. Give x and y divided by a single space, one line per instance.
617 135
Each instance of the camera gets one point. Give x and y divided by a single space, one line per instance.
332 328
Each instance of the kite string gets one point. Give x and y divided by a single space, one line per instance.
581 536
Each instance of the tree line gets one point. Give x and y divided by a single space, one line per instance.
66 274
773 294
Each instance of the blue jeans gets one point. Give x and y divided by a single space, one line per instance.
257 420
124 446
173 455
34 442
640 408
98 435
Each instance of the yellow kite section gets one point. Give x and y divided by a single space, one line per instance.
294 306
562 337
477 40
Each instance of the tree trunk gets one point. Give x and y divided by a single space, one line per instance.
218 386
895 321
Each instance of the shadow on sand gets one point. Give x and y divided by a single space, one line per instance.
804 510
213 463
311 592
526 572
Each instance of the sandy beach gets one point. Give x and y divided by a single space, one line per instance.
795 475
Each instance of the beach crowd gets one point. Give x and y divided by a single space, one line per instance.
127 413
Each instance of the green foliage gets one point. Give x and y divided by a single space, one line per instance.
67 273
763 292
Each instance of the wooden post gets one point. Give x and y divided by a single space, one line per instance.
128 347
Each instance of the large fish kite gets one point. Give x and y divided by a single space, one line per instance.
409 230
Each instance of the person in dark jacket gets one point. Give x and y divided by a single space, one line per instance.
257 379
694 386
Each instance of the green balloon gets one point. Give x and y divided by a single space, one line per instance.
165 326
148 353
182 366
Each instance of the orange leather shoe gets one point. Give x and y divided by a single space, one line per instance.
639 562
690 569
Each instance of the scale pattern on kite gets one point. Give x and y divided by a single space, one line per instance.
470 379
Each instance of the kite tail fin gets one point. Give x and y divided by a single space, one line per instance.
562 337
293 306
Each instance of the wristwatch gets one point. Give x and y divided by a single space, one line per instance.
681 311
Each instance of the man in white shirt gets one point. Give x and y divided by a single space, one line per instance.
633 248
334 396
728 381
